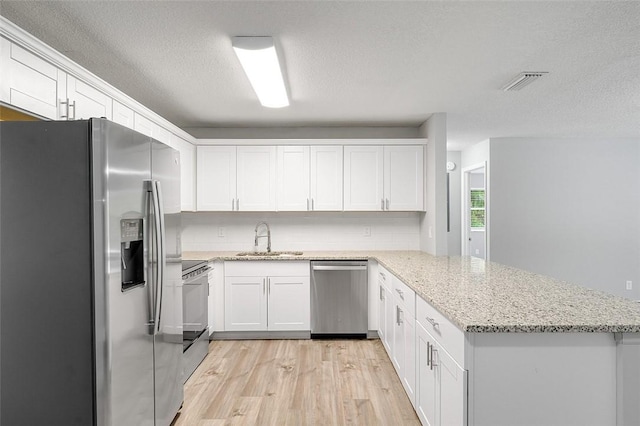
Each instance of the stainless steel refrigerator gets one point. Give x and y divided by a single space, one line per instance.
90 276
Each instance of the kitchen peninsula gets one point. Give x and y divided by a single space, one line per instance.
492 344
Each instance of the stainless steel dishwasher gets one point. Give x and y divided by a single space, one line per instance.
339 302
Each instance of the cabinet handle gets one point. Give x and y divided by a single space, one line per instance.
264 286
429 354
269 286
382 274
387 202
401 293
73 105
307 204
433 357
381 293
312 204
398 315
432 322
65 103
382 203
237 204
233 208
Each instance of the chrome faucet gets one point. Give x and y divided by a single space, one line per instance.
262 236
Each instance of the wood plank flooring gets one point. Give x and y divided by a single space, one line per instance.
295 382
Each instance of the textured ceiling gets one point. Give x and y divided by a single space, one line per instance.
365 63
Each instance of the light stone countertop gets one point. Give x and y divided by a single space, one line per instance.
481 296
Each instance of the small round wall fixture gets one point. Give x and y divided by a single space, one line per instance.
451 166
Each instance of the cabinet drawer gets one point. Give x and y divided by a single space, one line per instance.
260 268
385 278
444 331
405 296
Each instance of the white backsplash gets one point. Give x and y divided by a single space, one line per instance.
302 231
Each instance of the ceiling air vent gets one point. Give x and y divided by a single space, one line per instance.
523 79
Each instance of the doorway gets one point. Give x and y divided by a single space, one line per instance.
474 209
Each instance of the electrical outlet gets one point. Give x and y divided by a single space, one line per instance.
629 285
367 231
222 232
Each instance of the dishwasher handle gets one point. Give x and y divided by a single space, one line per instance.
338 268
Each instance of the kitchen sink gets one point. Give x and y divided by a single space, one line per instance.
270 253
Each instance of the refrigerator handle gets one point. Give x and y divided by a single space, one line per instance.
160 241
153 274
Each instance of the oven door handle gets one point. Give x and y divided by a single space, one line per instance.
338 268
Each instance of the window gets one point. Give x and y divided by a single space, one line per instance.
477 208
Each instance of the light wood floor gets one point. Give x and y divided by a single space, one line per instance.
295 382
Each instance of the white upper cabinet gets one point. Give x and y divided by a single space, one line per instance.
122 115
187 172
85 101
389 178
256 179
216 178
326 178
403 178
293 178
29 82
363 177
310 178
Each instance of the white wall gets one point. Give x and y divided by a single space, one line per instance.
455 208
568 208
433 224
303 231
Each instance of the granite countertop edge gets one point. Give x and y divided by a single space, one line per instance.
458 286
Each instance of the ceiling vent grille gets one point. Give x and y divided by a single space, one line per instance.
523 79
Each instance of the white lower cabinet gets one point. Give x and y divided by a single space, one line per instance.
403 347
440 383
267 296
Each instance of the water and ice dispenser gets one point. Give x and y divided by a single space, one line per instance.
131 253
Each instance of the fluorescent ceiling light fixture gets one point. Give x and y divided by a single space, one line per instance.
259 59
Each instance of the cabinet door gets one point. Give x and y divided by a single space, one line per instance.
382 311
29 82
399 344
403 178
293 178
363 179
409 368
187 172
122 114
256 174
289 303
389 319
425 378
453 389
245 302
326 178
215 178
87 101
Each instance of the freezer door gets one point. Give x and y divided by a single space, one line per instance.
168 339
124 352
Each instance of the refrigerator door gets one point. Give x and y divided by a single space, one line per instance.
168 339
122 166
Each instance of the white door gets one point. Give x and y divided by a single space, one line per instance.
399 344
87 101
389 318
475 207
289 303
215 178
363 178
256 174
245 303
187 172
404 178
29 82
326 178
293 178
